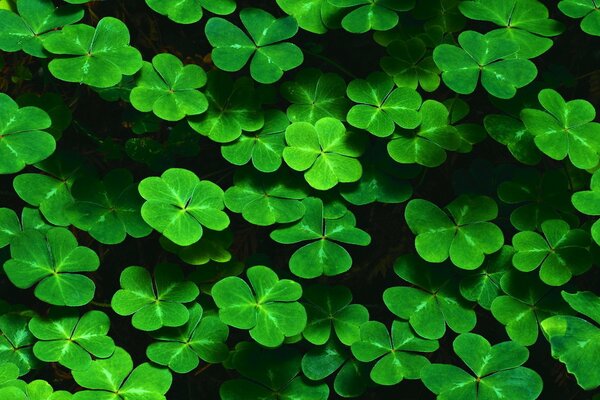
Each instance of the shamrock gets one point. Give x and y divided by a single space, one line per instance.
50 261
329 307
589 10
203 337
561 253
264 147
16 343
512 133
270 309
497 369
410 65
325 151
213 246
426 145
574 340
484 55
466 238
179 204
565 129
54 105
587 202
266 199
269 373
315 16
527 303
70 339
315 95
95 56
524 22
168 88
379 15
108 209
232 107
35 390
190 11
433 303
22 137
395 354
36 21
381 107
155 301
322 256
115 378
271 57
11 227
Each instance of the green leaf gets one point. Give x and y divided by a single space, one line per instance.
155 301
213 246
16 343
378 15
50 261
315 16
179 204
411 65
10 226
190 11
54 105
95 56
512 133
565 129
270 309
586 9
465 239
23 140
586 202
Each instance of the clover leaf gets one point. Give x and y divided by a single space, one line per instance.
95 56
202 337
54 105
16 343
271 56
587 202
396 354
466 238
565 129
512 133
36 21
381 106
11 227
115 378
9 373
588 10
325 151
23 140
179 204
232 107
50 261
190 11
266 199
497 370
426 145
574 340
270 309
524 22
433 303
322 256
213 246
487 56
410 65
315 95
168 88
108 209
154 300
70 339
379 15
315 16
561 253
35 390
329 308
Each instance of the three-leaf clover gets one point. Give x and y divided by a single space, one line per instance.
497 372
154 300
381 106
36 21
379 15
179 204
561 253
70 339
190 11
115 378
466 237
322 256
589 10
271 57
168 88
325 151
588 201
202 337
432 303
270 310
50 261
487 56
16 343
95 56
410 65
396 354
22 137
565 129
11 227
